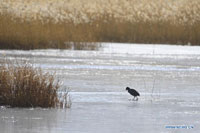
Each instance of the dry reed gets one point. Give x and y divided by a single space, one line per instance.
22 85
28 24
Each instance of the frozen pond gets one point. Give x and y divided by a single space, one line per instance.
166 76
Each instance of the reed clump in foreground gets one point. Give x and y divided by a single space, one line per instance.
33 24
22 85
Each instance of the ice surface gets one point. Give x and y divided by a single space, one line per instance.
166 76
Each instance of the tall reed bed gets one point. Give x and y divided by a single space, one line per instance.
22 85
37 35
30 24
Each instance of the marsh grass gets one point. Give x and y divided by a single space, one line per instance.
57 24
37 35
22 85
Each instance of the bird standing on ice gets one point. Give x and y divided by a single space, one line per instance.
134 93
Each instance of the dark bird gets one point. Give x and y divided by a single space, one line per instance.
133 92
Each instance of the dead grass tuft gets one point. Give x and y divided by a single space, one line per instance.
22 85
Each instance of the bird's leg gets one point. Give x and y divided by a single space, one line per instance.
136 98
133 98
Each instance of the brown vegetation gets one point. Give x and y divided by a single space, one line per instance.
22 85
29 25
